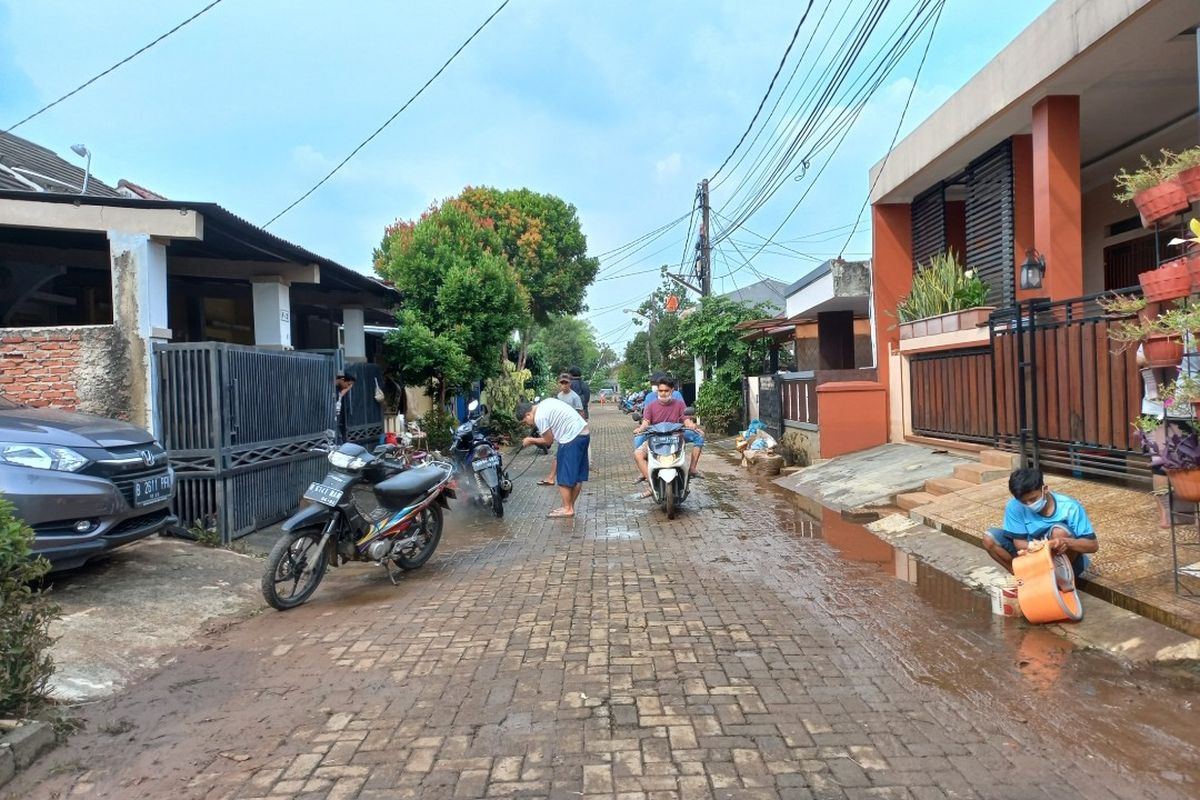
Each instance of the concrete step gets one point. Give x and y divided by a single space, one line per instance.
913 500
946 485
980 473
1000 458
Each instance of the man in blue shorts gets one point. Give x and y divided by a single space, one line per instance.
1034 512
561 423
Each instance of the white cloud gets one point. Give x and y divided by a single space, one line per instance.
668 167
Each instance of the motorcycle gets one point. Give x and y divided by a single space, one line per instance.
367 508
667 463
475 455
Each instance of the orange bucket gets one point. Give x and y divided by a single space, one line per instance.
1046 585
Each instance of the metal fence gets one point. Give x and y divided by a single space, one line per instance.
239 424
799 399
951 394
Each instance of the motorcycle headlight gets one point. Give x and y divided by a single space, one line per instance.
344 461
41 456
667 459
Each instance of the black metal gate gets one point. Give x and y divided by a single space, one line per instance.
239 424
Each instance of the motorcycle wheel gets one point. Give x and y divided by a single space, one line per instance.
669 499
498 501
430 525
294 569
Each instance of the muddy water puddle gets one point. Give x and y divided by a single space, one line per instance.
945 636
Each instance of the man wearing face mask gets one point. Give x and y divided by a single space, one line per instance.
1034 512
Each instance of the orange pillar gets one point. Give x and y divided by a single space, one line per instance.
891 274
1057 201
1022 158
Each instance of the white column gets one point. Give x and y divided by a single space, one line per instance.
353 338
699 372
139 294
272 312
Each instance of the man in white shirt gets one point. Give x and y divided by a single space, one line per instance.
571 398
559 422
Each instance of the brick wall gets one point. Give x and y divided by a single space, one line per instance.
80 368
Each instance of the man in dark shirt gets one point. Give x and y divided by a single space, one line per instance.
580 388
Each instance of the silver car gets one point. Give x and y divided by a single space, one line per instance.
85 484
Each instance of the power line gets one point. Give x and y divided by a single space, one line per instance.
896 134
770 86
390 119
125 60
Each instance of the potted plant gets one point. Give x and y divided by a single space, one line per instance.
1174 446
1184 391
1186 166
944 298
1161 337
1154 189
1122 306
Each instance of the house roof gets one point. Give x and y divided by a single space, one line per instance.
819 271
768 291
29 167
226 236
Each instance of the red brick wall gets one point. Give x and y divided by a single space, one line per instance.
37 366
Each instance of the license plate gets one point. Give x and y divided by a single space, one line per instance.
148 491
329 491
484 463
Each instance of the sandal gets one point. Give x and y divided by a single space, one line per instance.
558 513
640 480
544 482
646 494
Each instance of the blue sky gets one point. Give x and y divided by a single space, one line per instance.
619 108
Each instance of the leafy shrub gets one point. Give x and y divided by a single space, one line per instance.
502 421
719 404
942 286
25 617
437 425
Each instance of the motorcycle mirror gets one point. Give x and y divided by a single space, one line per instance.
637 417
691 412
474 404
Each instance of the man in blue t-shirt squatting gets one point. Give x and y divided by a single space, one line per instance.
1034 512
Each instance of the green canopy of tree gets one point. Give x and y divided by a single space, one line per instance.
462 299
542 240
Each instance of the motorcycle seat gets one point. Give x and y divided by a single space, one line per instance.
399 491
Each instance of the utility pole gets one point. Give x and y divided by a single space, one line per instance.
705 268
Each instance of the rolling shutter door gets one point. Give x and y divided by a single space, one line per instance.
928 225
990 223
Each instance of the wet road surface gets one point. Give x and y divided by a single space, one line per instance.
743 650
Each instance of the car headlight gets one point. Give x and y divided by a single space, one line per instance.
41 456
344 461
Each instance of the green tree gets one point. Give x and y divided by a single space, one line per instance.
542 240
711 331
566 342
462 298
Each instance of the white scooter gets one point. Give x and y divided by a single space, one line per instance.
667 460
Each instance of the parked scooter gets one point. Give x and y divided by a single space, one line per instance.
367 508
477 456
667 464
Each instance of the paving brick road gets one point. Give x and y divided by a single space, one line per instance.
731 653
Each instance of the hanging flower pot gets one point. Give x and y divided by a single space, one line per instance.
1193 264
1161 201
1185 483
1163 350
1170 281
1189 181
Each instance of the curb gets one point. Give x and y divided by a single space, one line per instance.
21 747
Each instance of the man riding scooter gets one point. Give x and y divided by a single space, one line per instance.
666 408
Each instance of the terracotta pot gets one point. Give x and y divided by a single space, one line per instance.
1185 483
1168 282
1189 180
1163 350
1159 202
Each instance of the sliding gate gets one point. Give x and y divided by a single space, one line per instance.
1050 385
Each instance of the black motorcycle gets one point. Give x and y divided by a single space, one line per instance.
369 507
479 461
